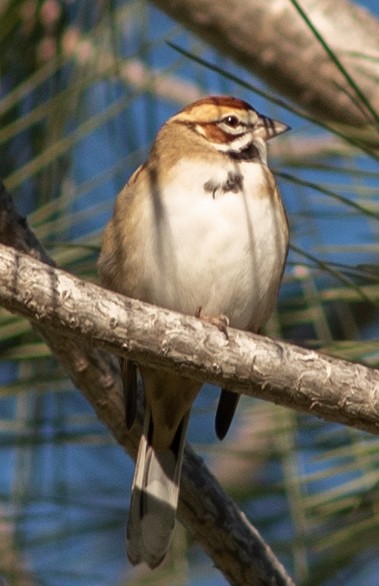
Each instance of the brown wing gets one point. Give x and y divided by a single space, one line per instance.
129 382
226 408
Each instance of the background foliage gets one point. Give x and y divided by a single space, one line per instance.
84 89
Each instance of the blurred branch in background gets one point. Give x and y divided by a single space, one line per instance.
273 40
13 563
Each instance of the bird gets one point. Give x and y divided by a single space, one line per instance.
200 229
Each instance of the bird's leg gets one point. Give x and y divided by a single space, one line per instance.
221 321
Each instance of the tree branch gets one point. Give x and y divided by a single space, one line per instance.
216 523
254 365
271 40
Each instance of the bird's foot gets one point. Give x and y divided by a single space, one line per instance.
221 321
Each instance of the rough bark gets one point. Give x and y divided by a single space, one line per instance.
253 365
270 39
216 523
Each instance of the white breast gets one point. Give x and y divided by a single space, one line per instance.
223 253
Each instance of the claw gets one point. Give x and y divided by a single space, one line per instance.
221 321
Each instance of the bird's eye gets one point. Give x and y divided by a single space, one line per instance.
231 121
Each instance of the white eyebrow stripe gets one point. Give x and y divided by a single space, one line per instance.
236 144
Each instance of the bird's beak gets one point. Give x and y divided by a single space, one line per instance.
267 128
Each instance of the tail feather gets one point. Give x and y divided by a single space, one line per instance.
226 408
155 493
129 380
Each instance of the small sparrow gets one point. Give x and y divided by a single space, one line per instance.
199 228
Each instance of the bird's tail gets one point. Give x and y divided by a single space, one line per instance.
155 493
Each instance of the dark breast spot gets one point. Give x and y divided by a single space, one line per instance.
211 186
233 183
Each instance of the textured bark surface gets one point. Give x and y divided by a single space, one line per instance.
253 365
270 39
216 523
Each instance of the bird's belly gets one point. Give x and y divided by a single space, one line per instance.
224 254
